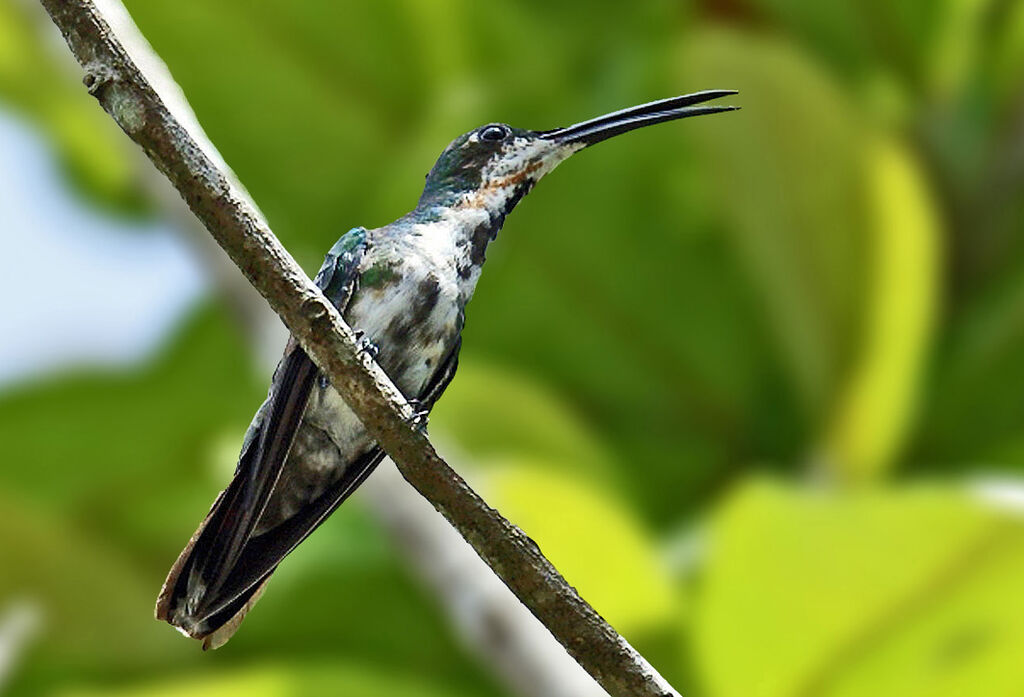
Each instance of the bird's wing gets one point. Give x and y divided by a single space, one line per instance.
205 580
262 553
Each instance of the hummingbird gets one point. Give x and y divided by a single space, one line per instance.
403 288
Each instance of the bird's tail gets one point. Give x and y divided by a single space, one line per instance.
185 598
208 601
221 571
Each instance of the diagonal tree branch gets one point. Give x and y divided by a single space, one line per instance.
179 150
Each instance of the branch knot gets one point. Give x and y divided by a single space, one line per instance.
97 76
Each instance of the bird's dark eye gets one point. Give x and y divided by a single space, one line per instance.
494 133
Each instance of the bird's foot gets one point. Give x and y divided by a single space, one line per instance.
420 415
364 347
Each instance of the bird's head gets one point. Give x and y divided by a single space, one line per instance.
495 165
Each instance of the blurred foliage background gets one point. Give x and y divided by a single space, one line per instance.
755 382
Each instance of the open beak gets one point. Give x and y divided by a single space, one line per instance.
598 129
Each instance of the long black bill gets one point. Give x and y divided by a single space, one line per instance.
602 127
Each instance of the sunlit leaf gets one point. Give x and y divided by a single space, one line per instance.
909 592
875 410
493 411
598 545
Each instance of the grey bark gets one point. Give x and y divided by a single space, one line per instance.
189 161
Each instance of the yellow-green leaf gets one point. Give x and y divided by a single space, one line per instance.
597 544
490 410
877 405
885 592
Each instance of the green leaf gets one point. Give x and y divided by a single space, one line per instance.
95 152
910 592
126 453
916 41
976 403
1008 52
493 411
96 606
787 173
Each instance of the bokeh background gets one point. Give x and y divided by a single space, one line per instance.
755 382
